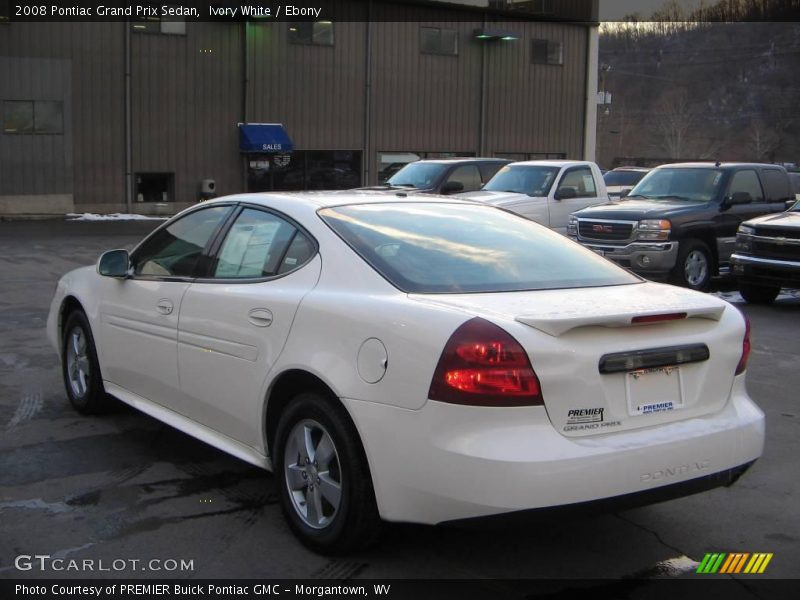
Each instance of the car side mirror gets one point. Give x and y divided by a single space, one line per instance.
739 198
114 263
565 193
452 187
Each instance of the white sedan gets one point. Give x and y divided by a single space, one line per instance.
410 360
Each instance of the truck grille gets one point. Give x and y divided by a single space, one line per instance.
612 231
764 249
779 232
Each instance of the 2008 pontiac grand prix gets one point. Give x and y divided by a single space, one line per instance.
410 360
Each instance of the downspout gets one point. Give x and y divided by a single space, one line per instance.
482 115
245 87
128 122
590 114
366 161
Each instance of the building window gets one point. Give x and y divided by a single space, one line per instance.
547 52
535 7
29 116
531 155
435 40
318 33
304 170
155 187
168 26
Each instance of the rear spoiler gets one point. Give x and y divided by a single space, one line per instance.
559 324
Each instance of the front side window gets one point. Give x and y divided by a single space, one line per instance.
746 181
174 250
261 244
317 33
468 176
581 180
456 248
436 40
523 179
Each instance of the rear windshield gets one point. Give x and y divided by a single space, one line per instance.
623 177
455 248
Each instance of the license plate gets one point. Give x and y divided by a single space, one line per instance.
655 390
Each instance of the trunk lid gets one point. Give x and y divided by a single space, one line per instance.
600 373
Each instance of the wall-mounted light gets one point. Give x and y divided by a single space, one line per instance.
493 35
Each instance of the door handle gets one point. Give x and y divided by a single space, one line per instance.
260 317
165 306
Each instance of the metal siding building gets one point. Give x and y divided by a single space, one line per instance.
148 115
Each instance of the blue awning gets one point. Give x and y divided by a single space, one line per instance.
264 137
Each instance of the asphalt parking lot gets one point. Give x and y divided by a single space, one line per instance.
124 486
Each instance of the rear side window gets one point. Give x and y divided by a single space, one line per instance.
747 181
260 244
776 185
488 169
455 248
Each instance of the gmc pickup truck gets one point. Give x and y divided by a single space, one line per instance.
545 191
679 223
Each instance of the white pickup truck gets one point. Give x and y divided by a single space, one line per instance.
545 191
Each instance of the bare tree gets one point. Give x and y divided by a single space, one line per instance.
673 121
763 140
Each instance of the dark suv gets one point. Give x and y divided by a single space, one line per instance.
443 176
680 220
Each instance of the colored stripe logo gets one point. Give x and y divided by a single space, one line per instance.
735 562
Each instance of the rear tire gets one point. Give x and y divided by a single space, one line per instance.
323 479
758 294
80 367
694 265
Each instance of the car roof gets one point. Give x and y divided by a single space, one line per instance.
317 200
551 162
720 165
465 159
641 169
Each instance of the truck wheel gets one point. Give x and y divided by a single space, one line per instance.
694 265
758 294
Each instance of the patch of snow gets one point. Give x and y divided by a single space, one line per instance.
111 217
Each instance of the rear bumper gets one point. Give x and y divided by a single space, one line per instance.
446 462
624 502
651 259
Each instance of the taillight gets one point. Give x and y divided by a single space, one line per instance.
482 365
745 347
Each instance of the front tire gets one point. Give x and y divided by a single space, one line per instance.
80 367
758 294
694 265
323 478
